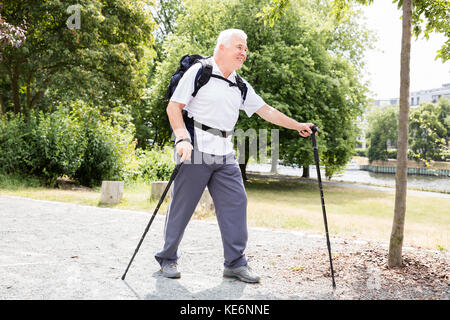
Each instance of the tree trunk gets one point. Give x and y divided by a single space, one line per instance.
2 105
243 168
396 241
305 173
15 88
28 103
35 100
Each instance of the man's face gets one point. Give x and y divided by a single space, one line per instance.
236 52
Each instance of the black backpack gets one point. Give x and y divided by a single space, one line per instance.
202 77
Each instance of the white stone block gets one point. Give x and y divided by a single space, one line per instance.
205 204
111 192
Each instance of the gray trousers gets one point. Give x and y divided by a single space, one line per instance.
223 177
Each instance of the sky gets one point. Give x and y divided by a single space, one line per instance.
383 63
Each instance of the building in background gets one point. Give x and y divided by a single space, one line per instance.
417 97
431 95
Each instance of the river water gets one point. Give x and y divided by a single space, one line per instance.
352 174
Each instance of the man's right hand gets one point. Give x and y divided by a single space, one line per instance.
184 150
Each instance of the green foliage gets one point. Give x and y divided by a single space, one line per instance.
14 143
433 16
109 146
382 129
296 66
154 165
392 154
79 144
57 146
428 16
361 152
47 146
104 62
145 121
17 181
429 131
165 15
273 11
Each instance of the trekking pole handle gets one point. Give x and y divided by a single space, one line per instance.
314 129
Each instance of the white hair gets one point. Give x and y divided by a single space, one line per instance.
225 36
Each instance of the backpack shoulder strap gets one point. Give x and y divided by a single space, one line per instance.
242 87
203 76
205 73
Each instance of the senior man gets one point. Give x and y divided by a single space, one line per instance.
209 158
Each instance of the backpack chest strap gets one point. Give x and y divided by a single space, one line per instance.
232 84
191 123
214 131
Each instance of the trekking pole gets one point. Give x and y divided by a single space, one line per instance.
314 129
172 177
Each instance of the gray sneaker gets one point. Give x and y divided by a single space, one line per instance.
243 273
170 270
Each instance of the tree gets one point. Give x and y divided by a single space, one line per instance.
444 117
103 60
428 131
398 225
9 36
382 131
295 67
436 15
164 15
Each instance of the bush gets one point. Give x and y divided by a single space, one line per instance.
59 146
154 165
392 154
14 150
361 152
383 129
46 146
109 147
81 145
445 155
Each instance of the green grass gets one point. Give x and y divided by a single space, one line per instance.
16 182
295 205
351 212
135 197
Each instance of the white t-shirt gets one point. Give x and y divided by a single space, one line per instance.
215 105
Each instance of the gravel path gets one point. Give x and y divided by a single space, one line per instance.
53 250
